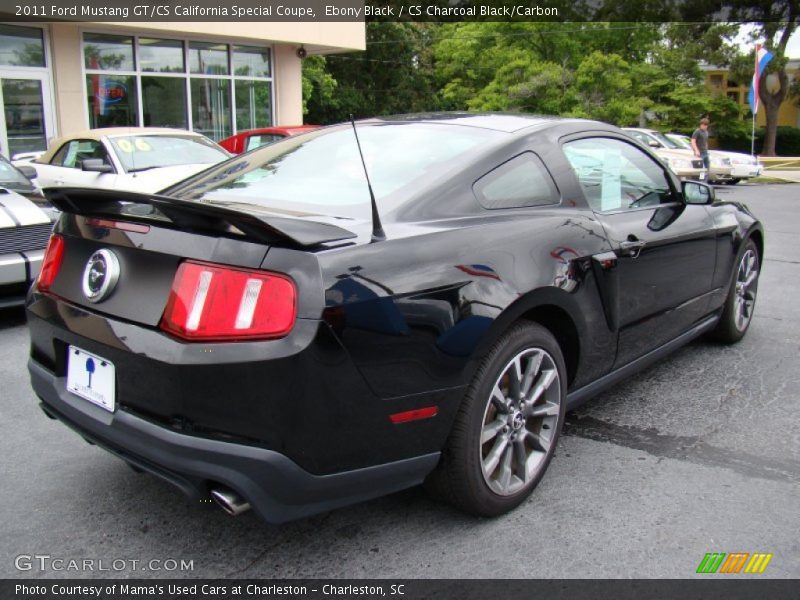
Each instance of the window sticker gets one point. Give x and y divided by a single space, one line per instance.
611 195
125 145
72 152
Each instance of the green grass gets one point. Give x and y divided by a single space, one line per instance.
764 179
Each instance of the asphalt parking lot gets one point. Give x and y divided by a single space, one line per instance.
700 453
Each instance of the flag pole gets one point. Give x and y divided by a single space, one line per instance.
755 102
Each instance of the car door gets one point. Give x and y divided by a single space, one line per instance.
658 282
65 168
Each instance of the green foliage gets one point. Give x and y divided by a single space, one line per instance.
787 141
394 75
319 86
620 72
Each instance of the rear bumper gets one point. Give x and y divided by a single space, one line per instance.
276 487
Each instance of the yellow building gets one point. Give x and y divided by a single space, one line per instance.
719 81
215 78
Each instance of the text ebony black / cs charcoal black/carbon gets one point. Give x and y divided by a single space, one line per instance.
246 334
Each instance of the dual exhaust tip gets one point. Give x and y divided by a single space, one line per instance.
231 502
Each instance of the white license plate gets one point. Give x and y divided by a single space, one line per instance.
91 377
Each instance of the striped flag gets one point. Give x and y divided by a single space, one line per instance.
763 56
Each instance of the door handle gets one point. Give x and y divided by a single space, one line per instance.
632 247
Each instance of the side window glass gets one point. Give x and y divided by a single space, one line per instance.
616 175
72 153
66 153
519 182
256 141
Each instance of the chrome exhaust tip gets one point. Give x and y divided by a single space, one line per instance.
231 502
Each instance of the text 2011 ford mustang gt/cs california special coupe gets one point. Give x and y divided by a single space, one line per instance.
273 333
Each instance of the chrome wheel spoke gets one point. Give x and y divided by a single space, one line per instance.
750 279
548 409
514 379
493 458
531 370
504 480
499 400
535 459
491 430
520 458
546 380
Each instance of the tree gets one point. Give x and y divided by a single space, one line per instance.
775 22
394 75
319 86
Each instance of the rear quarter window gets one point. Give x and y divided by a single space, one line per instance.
520 182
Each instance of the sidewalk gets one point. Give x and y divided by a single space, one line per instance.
791 176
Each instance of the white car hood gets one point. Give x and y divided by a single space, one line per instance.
17 210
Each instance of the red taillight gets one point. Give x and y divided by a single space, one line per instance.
212 302
51 262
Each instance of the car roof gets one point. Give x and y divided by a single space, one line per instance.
98 134
290 129
507 122
640 129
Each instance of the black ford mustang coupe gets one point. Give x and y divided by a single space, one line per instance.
279 334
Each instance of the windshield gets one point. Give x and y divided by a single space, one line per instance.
141 152
665 141
10 177
321 172
681 141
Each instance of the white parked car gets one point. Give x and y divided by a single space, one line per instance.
136 159
26 222
684 164
21 159
744 166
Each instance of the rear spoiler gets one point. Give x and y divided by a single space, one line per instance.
193 216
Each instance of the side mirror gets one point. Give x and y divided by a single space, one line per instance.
28 171
654 144
97 165
695 192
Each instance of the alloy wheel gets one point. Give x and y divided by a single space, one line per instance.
520 421
746 280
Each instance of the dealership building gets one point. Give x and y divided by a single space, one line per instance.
216 78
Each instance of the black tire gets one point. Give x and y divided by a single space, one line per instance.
734 181
459 478
730 328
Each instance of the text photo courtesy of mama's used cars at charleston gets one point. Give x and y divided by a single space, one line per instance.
434 326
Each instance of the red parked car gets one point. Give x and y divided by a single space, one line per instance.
254 138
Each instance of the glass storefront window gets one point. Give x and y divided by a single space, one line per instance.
108 52
211 107
208 58
23 105
252 61
112 100
164 102
161 56
253 107
21 46
156 82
